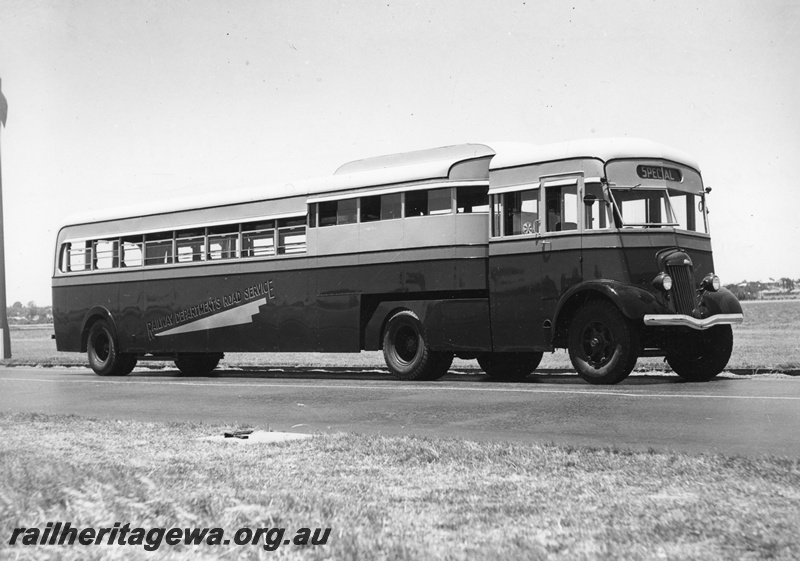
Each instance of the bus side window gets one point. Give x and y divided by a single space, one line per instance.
496 215
391 206
428 202
79 256
158 248
63 258
472 199
561 207
521 210
191 246
347 211
312 215
381 207
223 242
595 208
292 235
106 254
258 239
327 213
131 252
332 213
371 208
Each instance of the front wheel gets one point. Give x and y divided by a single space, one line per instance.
509 367
407 353
103 352
603 344
698 357
198 365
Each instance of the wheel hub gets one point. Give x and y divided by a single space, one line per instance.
598 344
407 344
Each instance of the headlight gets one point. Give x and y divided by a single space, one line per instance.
711 283
663 282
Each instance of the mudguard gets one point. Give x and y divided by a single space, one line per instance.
632 301
90 317
450 324
720 302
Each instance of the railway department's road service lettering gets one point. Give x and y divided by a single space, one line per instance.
236 308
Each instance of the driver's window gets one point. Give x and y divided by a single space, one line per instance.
521 210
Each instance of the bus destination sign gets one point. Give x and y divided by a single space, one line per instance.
659 172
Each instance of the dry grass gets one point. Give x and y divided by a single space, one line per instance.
391 498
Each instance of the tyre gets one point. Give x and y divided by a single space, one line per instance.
698 357
442 366
102 350
127 364
603 343
406 350
509 367
198 365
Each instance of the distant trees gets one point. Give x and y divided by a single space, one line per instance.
750 290
747 290
30 313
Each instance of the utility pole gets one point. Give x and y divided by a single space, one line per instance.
5 340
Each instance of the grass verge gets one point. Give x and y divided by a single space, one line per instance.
390 498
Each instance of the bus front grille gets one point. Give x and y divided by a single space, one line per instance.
682 288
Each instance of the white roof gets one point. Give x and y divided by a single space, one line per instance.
443 158
510 154
420 165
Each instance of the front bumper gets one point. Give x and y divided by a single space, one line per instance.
679 320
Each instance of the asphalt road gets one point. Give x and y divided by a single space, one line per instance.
748 416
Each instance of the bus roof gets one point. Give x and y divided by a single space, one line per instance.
443 157
415 166
419 165
512 154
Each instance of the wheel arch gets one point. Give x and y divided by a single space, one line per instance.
91 317
632 301
376 326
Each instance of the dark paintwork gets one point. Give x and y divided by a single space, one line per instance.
311 309
532 281
471 294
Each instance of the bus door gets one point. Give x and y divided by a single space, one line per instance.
534 256
559 262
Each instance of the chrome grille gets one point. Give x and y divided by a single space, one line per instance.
682 288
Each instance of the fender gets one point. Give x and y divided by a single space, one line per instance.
457 324
720 302
374 328
632 301
88 319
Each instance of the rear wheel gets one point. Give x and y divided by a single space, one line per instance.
698 357
407 352
509 366
102 350
198 365
603 344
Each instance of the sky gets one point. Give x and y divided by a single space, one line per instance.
116 102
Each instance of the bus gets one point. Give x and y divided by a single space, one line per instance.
496 253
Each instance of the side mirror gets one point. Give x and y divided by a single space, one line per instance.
589 199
